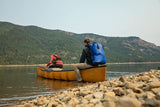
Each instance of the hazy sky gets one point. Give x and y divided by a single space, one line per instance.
105 17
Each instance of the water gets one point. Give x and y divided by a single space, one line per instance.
21 83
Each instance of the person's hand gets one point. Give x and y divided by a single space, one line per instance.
46 67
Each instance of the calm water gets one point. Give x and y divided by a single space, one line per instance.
21 83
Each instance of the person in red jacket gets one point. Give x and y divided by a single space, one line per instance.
55 61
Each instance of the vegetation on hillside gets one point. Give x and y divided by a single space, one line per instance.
33 45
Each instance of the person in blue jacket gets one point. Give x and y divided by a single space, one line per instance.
86 56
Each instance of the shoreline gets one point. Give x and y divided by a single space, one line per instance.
116 63
139 90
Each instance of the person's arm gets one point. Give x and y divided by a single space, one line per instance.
83 56
50 61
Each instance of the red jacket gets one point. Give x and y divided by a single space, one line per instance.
54 60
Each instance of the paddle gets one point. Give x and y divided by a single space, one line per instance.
42 68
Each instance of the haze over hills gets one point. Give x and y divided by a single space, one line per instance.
33 45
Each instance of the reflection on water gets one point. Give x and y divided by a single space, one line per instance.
20 83
56 85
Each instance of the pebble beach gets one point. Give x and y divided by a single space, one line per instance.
140 90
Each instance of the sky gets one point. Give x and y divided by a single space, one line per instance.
114 18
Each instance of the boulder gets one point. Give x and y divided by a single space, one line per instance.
109 104
155 90
151 103
98 95
154 84
122 79
84 101
129 85
28 105
95 101
128 102
51 104
158 96
84 92
118 91
137 90
109 97
98 105
109 94
88 97
73 101
148 95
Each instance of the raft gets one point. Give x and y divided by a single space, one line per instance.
94 74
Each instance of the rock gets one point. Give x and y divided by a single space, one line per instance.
66 99
154 79
84 93
89 105
101 87
141 74
42 101
155 90
148 95
22 103
140 85
152 76
113 84
154 84
128 102
128 91
76 89
137 90
74 101
28 105
89 96
108 97
118 91
132 95
130 85
98 95
147 88
51 104
158 96
95 101
84 101
151 85
119 84
98 105
122 79
80 105
109 93
109 104
151 103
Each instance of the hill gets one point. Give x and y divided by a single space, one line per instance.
33 45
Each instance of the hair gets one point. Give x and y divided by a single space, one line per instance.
51 54
87 41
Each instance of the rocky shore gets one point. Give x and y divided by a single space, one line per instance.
140 90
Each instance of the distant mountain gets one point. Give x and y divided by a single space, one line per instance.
33 45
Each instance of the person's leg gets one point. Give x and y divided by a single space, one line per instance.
80 66
52 66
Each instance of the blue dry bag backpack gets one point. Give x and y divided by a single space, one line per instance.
97 53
